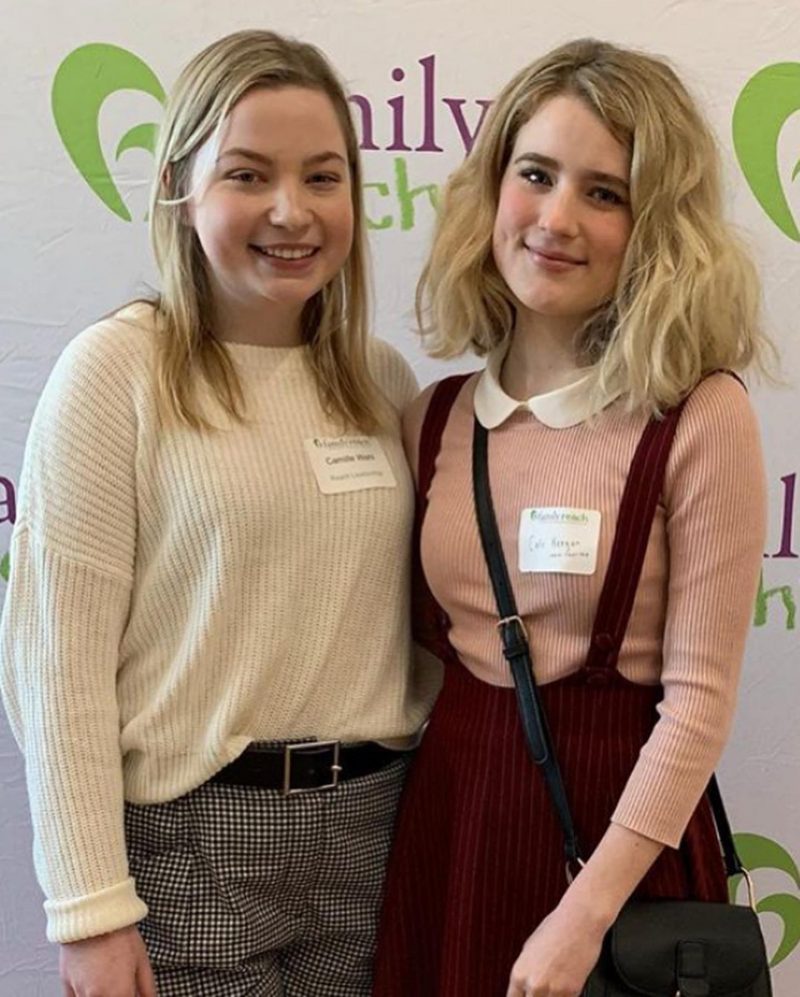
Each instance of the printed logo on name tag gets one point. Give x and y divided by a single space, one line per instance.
349 464
559 540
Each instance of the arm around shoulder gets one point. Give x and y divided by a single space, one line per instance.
393 374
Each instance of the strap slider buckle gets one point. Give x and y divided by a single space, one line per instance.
514 636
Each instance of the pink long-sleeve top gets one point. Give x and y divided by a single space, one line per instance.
694 602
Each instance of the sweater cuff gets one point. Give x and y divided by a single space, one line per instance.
96 914
637 812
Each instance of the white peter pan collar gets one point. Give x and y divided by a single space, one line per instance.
559 409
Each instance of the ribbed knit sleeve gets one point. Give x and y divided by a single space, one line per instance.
715 497
65 611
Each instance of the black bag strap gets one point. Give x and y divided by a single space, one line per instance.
515 646
733 864
514 637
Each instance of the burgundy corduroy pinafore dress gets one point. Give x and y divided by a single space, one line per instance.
478 859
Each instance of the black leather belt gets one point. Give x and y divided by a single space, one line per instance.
304 767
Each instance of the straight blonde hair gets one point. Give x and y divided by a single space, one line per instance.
334 321
688 297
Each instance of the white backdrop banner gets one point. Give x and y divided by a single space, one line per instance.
80 105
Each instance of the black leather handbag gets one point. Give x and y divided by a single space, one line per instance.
682 948
658 948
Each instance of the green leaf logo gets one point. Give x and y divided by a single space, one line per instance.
761 111
5 567
84 80
757 852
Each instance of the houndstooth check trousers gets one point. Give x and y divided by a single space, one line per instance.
253 893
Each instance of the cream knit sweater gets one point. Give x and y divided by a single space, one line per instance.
175 595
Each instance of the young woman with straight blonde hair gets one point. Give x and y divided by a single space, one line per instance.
205 644
582 246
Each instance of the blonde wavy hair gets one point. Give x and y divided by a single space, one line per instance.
334 321
688 298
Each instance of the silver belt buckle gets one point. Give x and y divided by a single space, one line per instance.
336 768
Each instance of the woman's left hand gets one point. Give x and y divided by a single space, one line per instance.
558 957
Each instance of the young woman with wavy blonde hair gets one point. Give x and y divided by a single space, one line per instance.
205 644
582 246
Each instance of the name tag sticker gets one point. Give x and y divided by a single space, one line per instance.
559 540
349 464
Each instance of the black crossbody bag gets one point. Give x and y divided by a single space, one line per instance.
657 948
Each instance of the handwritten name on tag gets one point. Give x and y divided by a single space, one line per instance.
348 464
559 540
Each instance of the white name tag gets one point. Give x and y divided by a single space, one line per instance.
349 464
560 540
